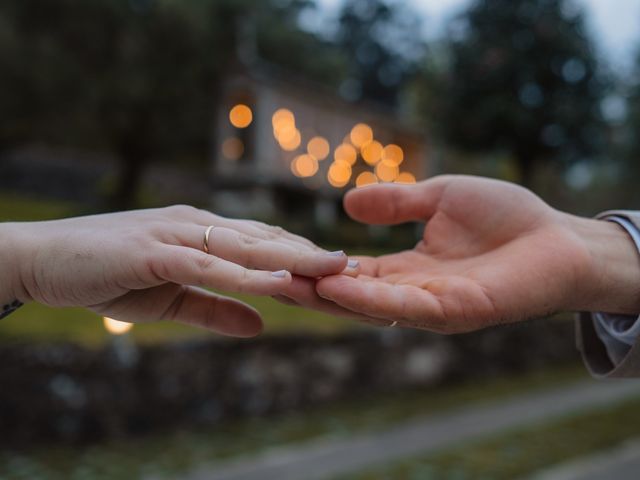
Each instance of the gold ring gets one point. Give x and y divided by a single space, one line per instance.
395 322
207 232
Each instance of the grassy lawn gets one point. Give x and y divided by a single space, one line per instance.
34 322
17 208
167 456
523 451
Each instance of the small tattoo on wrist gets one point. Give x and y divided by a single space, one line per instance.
9 308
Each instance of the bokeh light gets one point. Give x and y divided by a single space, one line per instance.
372 152
393 153
304 166
366 178
291 140
232 148
116 327
339 173
345 153
361 134
285 131
281 117
319 148
241 116
387 171
405 177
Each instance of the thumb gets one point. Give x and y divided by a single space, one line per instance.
387 204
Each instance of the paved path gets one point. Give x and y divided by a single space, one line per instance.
327 458
620 463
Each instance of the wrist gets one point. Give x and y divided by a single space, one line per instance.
612 278
13 254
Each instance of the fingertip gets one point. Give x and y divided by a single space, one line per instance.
241 321
224 316
352 268
283 275
332 263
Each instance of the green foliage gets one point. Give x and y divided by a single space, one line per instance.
38 323
383 44
138 78
632 139
523 78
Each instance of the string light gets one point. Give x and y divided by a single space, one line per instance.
387 171
405 177
240 116
232 148
304 166
361 134
345 153
366 178
372 152
393 153
339 174
318 147
116 327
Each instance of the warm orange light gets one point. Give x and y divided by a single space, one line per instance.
339 174
345 153
286 133
116 327
387 171
291 141
304 166
372 152
366 178
405 177
393 153
318 147
232 148
282 116
240 116
361 134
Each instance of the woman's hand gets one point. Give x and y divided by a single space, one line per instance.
492 252
148 265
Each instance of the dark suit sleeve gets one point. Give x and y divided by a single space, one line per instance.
592 348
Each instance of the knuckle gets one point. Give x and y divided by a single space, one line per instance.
246 246
206 262
180 210
244 281
246 241
274 231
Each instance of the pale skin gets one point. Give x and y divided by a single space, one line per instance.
491 253
149 265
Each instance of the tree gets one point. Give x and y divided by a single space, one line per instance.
522 78
632 156
383 44
138 78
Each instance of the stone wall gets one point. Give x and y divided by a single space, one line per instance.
65 393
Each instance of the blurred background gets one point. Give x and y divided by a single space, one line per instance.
271 110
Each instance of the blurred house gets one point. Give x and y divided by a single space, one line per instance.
286 146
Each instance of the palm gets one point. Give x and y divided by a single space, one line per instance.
489 254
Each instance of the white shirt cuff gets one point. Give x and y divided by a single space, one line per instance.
619 332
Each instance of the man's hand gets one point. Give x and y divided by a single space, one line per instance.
492 252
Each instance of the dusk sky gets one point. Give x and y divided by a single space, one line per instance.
615 23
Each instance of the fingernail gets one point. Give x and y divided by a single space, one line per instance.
326 297
353 264
337 253
279 274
